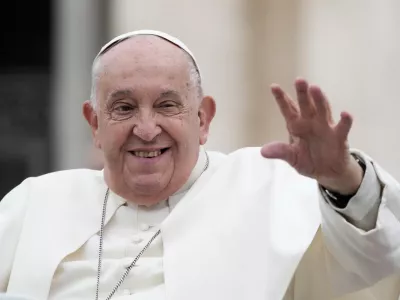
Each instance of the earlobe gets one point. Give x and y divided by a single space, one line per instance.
90 114
206 114
91 117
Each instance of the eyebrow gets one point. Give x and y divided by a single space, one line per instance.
129 93
126 93
169 93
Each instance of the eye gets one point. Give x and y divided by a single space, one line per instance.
121 111
121 108
167 104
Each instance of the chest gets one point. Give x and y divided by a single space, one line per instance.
124 237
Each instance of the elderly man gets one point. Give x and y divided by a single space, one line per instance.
166 219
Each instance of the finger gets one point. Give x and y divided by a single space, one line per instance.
322 106
343 127
286 105
307 109
278 150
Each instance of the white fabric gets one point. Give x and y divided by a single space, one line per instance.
13 297
124 238
160 34
128 231
362 210
249 228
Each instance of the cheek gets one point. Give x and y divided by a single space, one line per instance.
184 131
115 135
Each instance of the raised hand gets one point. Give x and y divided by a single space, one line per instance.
318 147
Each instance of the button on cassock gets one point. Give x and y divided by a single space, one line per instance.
136 239
144 227
126 292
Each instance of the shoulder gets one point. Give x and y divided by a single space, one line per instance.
216 158
66 179
54 183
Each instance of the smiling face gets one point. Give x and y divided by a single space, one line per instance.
149 120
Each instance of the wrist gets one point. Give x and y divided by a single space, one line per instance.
350 181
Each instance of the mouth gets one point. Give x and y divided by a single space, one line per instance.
149 154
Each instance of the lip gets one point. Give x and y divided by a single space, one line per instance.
150 160
148 149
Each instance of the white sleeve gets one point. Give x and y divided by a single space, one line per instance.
12 214
364 256
362 209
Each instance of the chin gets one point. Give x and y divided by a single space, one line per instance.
148 188
147 201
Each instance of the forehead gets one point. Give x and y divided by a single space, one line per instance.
144 61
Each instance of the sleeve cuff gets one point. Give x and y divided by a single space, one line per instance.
367 197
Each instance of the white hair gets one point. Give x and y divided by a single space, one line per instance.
194 72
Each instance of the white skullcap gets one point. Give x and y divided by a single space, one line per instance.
160 34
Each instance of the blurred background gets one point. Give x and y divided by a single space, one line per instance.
351 48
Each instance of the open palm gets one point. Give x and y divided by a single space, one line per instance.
318 147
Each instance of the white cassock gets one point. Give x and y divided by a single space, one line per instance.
246 228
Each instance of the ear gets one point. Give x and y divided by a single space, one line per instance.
207 111
91 117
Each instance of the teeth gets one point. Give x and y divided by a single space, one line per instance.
147 153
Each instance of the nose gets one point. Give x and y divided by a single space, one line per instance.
146 127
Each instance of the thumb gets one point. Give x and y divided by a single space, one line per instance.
278 150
